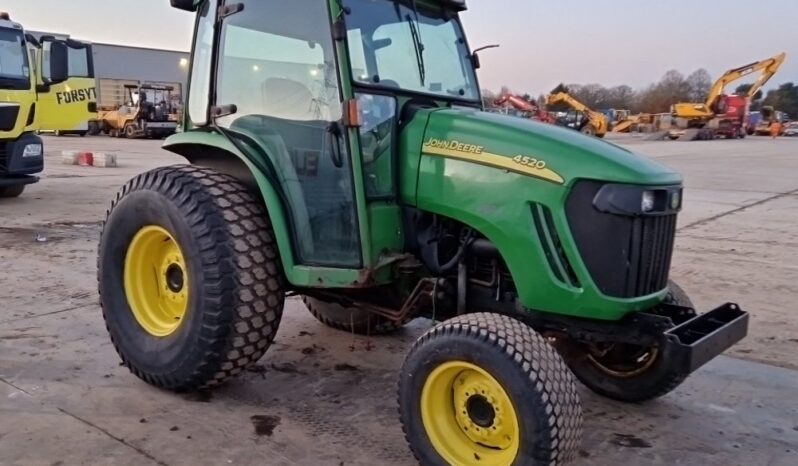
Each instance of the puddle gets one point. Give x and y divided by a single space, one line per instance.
264 424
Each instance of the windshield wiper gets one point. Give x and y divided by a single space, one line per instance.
419 48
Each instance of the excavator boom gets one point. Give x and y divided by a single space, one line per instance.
597 121
521 104
706 111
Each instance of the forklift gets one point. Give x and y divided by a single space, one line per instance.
338 150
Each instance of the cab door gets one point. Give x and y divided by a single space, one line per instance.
276 66
67 107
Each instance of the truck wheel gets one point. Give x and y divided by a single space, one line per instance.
588 130
130 131
486 389
94 128
12 191
190 282
350 319
630 373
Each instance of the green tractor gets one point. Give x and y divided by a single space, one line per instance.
338 150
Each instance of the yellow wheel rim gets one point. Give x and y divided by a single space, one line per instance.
156 281
468 416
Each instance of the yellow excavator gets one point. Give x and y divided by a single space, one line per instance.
731 110
584 119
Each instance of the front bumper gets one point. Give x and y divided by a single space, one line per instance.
687 341
697 341
12 161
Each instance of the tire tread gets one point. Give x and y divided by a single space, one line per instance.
236 244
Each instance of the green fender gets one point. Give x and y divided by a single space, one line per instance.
213 150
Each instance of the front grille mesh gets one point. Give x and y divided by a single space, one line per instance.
626 256
650 258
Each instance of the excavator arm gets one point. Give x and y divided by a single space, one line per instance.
516 102
523 105
768 67
597 120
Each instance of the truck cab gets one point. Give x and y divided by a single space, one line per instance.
21 150
70 106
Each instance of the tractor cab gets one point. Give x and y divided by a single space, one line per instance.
319 91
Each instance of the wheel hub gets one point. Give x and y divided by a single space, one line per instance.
469 417
156 283
623 361
174 277
481 411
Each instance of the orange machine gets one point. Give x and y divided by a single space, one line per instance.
531 110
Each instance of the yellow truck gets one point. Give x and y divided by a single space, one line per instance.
70 107
21 150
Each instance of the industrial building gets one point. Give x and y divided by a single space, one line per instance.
117 65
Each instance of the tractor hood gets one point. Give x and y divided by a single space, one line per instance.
542 151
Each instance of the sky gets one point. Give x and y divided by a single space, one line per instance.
543 42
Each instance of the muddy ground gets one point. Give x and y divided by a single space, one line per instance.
321 397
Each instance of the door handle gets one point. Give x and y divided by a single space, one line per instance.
334 129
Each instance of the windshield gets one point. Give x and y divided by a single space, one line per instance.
13 57
391 45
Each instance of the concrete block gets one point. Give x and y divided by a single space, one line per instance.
70 157
105 160
85 159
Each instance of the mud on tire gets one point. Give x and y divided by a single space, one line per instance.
236 296
535 379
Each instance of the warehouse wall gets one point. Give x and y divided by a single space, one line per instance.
139 64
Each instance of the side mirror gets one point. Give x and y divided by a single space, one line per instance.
475 55
186 5
59 63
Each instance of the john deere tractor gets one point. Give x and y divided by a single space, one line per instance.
338 150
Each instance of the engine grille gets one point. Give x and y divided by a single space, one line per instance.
8 116
626 256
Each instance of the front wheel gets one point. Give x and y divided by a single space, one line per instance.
631 373
12 191
485 389
588 130
190 282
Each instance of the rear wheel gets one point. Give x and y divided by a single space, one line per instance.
588 130
12 191
485 389
350 319
190 282
627 372
130 131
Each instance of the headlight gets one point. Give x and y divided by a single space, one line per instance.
676 200
32 150
647 201
632 200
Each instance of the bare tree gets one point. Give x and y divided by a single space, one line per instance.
700 82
